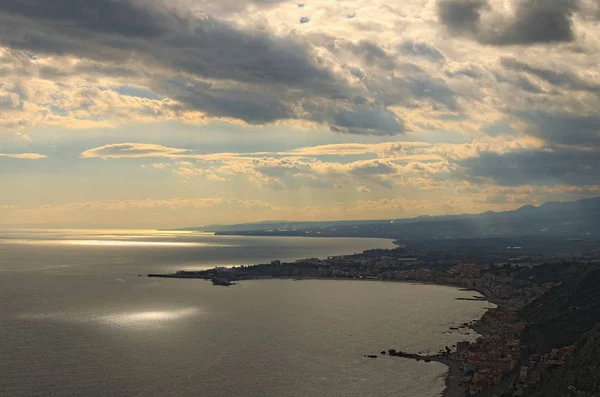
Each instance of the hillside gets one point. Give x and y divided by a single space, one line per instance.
581 374
564 314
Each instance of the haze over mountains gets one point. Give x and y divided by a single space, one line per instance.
578 219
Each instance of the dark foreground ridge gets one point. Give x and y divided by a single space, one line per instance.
539 340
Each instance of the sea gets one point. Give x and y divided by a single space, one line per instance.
79 317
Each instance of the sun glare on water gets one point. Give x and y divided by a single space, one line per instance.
128 243
109 238
126 319
149 317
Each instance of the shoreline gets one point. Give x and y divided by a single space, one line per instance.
452 379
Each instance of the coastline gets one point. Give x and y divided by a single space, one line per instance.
452 380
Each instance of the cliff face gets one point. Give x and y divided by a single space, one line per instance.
581 375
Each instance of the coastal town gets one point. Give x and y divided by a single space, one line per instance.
498 363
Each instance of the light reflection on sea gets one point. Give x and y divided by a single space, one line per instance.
83 320
116 243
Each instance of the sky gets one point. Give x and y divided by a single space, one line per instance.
156 113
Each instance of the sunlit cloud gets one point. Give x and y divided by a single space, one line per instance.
258 109
24 156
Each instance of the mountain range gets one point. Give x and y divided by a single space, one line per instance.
577 219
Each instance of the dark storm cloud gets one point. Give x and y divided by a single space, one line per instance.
263 76
539 21
534 167
534 21
422 50
118 31
461 16
254 107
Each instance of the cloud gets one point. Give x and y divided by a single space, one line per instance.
396 163
24 156
565 79
158 166
423 50
296 173
580 131
250 104
126 30
401 151
225 7
385 149
534 167
196 62
372 54
461 16
113 205
531 21
367 120
132 150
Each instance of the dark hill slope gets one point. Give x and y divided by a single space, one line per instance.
564 314
581 375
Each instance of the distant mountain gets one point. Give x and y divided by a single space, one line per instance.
578 219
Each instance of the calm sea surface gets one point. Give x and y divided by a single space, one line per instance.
76 320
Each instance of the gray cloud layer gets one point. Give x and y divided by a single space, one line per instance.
534 167
108 30
207 65
264 75
563 79
533 22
